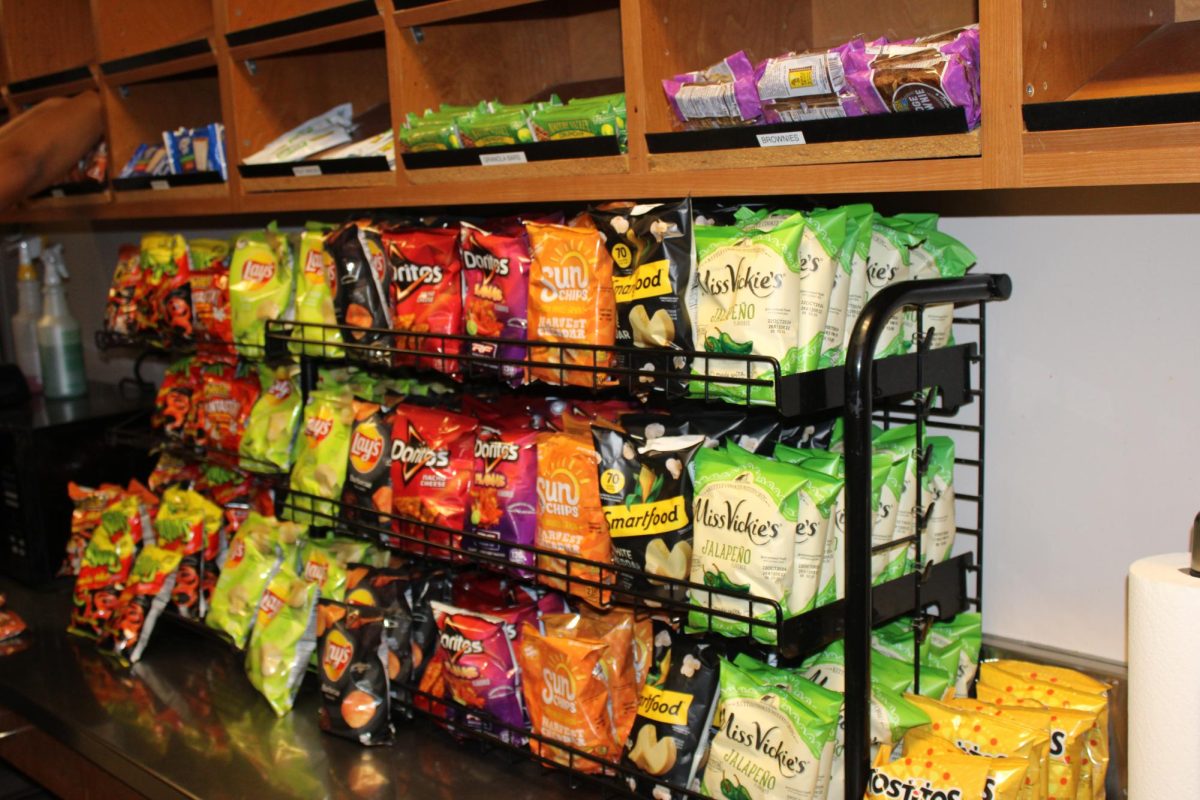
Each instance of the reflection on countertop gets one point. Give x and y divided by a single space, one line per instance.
186 723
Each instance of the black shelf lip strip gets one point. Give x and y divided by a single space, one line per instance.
71 189
329 166
937 122
305 22
52 79
400 5
138 182
1112 112
583 147
159 56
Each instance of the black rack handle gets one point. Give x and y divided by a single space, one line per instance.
859 397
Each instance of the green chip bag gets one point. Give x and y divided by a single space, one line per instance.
574 121
888 262
833 465
743 539
881 470
253 559
283 638
260 286
895 519
321 452
936 682
315 288
324 561
509 125
271 426
967 629
852 260
768 744
937 498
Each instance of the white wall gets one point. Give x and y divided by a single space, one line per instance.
1093 382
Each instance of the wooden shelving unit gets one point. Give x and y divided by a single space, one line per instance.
262 68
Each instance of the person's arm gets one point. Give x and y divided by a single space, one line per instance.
41 145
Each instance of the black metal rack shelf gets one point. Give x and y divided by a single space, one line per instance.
139 435
948 370
182 345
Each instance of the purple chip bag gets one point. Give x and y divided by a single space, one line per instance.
504 494
480 672
496 295
720 96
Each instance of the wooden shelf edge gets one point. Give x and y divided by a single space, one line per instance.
165 69
601 165
351 180
862 150
452 9
173 194
282 45
1112 140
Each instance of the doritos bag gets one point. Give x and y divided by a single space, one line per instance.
496 296
946 775
432 460
504 493
261 282
570 302
426 293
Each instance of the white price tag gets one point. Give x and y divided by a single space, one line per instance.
496 159
159 186
57 193
306 170
780 139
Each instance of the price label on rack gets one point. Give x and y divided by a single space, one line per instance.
306 170
159 186
57 193
781 139
497 159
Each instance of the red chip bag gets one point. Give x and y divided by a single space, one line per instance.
89 504
120 315
173 405
212 315
223 404
496 295
432 460
426 293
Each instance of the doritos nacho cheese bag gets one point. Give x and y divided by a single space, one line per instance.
570 302
426 293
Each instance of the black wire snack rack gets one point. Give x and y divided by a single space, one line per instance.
927 386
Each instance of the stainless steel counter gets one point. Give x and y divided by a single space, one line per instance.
185 722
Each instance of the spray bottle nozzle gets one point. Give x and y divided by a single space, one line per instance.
56 268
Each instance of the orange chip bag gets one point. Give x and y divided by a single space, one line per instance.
945 775
615 628
986 735
997 685
567 695
570 300
570 518
1006 775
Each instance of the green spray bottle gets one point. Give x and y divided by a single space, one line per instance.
59 341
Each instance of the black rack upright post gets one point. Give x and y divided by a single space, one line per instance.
859 397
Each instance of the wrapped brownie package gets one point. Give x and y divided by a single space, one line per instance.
801 86
720 96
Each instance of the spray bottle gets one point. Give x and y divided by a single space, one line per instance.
58 336
29 310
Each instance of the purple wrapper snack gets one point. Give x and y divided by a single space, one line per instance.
496 295
480 672
504 494
801 86
722 95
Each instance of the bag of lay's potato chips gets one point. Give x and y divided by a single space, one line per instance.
851 260
744 542
945 775
324 562
570 303
1059 694
282 640
646 495
496 296
566 693
570 517
360 299
654 259
253 559
321 451
261 284
368 485
987 735
670 734
316 283
1006 774
767 744
274 418
426 294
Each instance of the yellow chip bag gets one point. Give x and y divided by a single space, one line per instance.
946 775
1070 678
1006 775
982 734
1059 695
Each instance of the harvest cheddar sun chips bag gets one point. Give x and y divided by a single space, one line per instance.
570 302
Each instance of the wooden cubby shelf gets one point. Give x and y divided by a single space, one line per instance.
1123 78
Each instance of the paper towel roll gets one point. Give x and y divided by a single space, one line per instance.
1164 679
